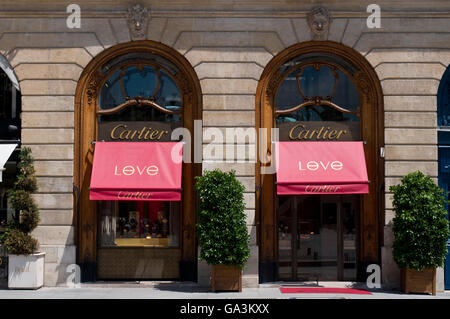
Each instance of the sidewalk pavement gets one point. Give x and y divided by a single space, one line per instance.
189 290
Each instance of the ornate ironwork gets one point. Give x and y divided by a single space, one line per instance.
140 101
317 100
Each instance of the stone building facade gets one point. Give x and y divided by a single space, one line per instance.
228 47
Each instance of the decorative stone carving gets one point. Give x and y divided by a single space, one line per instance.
319 20
137 20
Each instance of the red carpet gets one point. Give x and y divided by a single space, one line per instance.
313 290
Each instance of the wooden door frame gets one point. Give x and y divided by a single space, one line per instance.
372 131
85 211
442 91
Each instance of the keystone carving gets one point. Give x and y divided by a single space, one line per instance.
137 20
319 20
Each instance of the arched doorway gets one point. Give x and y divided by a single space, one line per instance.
443 108
308 91
135 92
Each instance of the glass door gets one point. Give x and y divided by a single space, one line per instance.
317 243
444 182
286 237
317 237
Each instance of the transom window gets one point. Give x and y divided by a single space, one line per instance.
316 90
140 88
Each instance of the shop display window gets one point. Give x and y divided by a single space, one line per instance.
139 224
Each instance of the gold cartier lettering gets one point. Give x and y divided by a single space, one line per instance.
340 133
332 134
154 134
141 132
322 189
121 132
113 137
133 195
162 133
301 132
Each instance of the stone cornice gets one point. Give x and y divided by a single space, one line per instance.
220 14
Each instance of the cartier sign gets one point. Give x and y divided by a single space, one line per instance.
319 131
136 131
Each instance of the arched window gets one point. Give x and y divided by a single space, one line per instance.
443 109
136 92
317 88
135 81
316 92
309 84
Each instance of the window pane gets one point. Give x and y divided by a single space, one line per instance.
288 94
139 223
444 102
168 95
142 82
317 83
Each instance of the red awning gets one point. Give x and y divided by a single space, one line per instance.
136 171
321 168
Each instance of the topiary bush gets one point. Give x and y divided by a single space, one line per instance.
420 226
221 227
18 241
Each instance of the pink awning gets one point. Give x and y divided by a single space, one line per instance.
136 171
321 168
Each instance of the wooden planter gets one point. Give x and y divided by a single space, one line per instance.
418 281
226 278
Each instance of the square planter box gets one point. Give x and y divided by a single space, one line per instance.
418 281
26 272
226 278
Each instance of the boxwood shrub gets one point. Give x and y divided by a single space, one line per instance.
17 239
221 227
420 226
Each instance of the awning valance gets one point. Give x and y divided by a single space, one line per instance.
136 171
5 152
321 168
